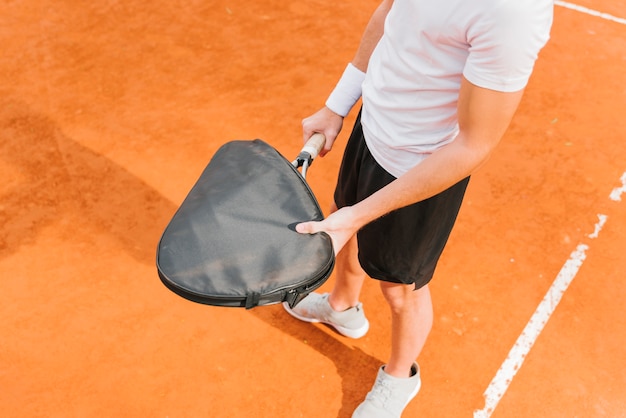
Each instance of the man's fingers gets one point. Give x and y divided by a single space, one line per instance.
307 228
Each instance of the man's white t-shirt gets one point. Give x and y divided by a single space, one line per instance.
412 83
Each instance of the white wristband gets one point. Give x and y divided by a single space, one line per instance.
347 91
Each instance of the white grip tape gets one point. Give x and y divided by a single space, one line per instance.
313 152
347 91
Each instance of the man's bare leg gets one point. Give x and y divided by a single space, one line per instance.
349 277
396 384
411 322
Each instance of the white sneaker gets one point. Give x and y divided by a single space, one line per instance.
389 395
316 308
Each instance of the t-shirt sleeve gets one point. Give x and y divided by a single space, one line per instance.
504 45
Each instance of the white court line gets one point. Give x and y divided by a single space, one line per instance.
601 221
616 194
504 376
514 360
591 12
525 341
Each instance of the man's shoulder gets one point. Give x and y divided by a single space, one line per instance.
506 11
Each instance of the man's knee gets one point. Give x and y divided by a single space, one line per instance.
399 296
407 303
402 297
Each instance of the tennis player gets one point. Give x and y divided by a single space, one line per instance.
440 82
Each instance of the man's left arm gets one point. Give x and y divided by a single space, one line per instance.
483 116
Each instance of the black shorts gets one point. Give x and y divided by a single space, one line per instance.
405 245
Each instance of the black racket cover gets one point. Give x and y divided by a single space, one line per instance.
232 242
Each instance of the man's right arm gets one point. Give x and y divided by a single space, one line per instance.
327 121
372 34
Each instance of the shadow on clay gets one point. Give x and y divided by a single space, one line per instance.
53 179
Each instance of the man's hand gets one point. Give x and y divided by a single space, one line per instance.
326 122
340 225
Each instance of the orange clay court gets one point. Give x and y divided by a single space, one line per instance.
110 110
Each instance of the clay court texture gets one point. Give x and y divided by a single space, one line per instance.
110 110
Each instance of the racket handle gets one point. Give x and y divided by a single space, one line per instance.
314 145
